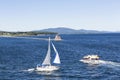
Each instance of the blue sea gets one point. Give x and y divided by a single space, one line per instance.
19 55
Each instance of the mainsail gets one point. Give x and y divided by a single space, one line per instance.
57 58
47 58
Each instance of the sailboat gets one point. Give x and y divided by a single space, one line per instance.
57 38
46 65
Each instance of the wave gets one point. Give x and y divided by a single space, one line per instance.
29 70
110 64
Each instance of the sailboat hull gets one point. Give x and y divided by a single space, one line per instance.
47 68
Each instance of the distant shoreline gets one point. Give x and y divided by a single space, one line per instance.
35 33
15 34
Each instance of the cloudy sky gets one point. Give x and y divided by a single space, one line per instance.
27 15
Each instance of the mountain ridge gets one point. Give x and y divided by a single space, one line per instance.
63 30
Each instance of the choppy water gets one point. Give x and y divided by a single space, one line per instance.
17 55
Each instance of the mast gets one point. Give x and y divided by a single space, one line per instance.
47 58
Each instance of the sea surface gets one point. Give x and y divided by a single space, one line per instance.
18 56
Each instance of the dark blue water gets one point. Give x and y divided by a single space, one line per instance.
17 55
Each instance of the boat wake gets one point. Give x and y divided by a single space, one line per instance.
109 64
94 60
29 70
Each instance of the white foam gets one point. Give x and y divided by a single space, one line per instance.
110 64
32 69
29 70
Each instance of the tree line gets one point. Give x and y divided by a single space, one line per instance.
3 33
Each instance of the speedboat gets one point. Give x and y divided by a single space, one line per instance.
91 59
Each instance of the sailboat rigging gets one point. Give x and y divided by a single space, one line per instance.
46 65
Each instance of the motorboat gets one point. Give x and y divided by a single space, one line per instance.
57 38
91 59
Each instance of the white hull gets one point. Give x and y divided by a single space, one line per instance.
47 68
91 61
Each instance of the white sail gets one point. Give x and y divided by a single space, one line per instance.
57 58
47 58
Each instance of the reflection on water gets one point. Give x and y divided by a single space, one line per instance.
50 75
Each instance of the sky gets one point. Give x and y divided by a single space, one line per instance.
27 15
